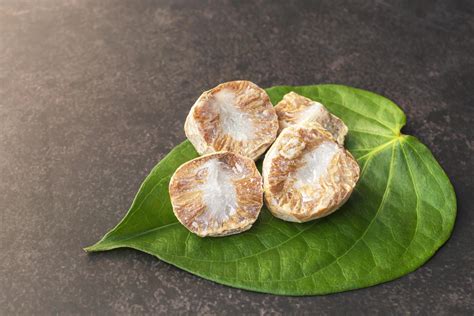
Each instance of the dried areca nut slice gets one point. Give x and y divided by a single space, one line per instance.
296 109
235 116
307 174
217 194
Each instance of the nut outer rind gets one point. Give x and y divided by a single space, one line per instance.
188 203
281 162
202 126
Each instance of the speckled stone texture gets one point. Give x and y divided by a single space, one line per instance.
94 93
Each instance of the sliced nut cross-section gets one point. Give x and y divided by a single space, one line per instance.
296 109
307 174
217 194
235 116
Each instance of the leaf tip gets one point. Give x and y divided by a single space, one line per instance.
89 248
98 246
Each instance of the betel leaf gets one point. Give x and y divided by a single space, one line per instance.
402 210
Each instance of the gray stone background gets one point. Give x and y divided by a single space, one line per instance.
94 93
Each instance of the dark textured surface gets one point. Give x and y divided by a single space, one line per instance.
94 93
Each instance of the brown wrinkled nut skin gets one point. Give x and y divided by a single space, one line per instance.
286 156
187 196
204 124
293 109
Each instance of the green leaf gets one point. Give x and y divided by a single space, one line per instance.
402 210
